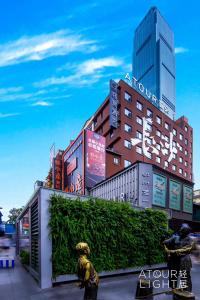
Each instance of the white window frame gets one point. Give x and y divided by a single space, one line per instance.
127 163
158 120
129 145
158 159
127 97
139 105
127 128
116 160
139 120
138 149
149 113
129 112
139 135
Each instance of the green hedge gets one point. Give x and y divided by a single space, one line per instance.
118 236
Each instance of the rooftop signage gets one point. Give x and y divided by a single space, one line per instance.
133 82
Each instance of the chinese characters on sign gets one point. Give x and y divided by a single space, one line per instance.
149 145
159 190
95 158
114 114
57 178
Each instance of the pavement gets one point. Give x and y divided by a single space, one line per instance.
17 284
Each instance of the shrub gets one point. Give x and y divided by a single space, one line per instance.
118 236
24 255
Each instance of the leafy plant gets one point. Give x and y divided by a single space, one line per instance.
24 255
118 236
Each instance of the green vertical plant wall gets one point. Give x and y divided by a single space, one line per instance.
118 236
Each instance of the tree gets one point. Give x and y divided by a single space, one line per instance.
13 214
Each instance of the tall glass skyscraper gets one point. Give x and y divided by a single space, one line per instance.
154 59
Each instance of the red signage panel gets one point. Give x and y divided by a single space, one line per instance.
95 158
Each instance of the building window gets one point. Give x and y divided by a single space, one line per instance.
186 141
139 120
149 127
166 126
186 129
158 159
185 174
166 138
149 155
174 155
101 114
186 152
174 132
128 112
126 163
111 133
95 123
158 133
180 159
127 128
166 151
149 113
158 119
127 144
174 144
180 171
191 176
149 141
181 148
139 105
138 149
181 136
174 167
127 97
139 135
116 160
186 163
190 145
158 146
166 164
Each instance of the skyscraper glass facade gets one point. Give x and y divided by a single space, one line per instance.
154 59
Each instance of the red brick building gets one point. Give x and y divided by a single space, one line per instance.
144 134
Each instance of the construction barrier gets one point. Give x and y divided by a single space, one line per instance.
7 262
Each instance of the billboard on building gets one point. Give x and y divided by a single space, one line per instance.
159 190
174 195
95 158
187 199
73 168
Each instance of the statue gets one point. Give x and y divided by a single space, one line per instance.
178 249
86 272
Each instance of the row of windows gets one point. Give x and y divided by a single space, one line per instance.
139 120
128 128
116 161
139 106
139 135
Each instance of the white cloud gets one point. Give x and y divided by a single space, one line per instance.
42 103
85 73
43 46
2 115
4 91
179 50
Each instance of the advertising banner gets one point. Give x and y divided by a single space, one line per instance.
95 158
174 195
73 168
113 104
187 199
159 190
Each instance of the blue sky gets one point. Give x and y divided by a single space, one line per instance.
56 59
